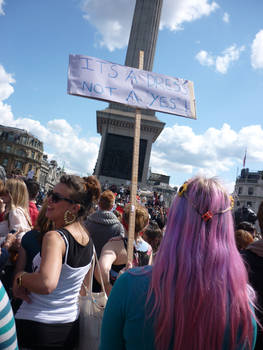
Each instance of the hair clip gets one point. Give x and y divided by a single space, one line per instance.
182 189
207 216
232 202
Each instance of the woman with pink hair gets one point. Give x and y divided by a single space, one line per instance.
196 296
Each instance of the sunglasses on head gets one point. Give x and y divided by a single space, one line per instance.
56 197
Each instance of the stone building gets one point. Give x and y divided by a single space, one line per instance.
20 150
53 175
249 189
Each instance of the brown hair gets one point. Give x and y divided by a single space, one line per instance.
243 239
153 235
94 187
81 192
107 199
141 217
43 224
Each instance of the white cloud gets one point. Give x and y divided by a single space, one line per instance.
222 62
257 51
6 79
113 19
215 152
175 13
204 58
1 7
231 54
226 17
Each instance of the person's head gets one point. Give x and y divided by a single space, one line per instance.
107 200
33 188
69 201
247 226
17 194
94 187
141 217
243 239
153 235
198 272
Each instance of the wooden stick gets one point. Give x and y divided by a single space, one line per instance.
134 183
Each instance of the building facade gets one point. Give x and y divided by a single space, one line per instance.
249 189
20 150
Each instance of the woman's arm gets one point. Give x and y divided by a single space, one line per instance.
21 260
107 258
46 279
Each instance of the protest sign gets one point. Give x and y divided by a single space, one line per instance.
95 78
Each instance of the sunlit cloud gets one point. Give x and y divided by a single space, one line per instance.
257 51
113 19
226 17
222 62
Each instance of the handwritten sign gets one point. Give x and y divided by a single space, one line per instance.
95 78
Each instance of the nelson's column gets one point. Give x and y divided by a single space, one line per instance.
116 123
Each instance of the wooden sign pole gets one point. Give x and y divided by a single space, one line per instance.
134 183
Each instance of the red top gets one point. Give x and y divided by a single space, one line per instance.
33 212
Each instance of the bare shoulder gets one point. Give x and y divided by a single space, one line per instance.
53 236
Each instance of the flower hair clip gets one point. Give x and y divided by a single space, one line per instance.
207 216
182 189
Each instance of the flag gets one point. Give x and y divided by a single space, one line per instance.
244 160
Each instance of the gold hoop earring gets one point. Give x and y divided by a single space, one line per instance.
68 220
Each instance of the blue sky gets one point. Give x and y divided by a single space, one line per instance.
216 44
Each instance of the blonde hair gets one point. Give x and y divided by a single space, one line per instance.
18 193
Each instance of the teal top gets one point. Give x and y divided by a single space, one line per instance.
124 325
8 338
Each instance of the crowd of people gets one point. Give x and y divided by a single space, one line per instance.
194 282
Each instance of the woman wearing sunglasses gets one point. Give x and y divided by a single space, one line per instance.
48 316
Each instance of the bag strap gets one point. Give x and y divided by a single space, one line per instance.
89 287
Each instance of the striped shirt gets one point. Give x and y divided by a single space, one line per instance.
8 339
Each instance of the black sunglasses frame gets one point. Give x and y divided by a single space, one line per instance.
56 197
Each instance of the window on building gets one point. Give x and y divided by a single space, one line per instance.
240 190
5 162
238 203
30 167
250 191
18 164
11 137
33 154
21 153
24 140
8 148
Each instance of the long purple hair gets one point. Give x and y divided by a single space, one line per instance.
199 282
